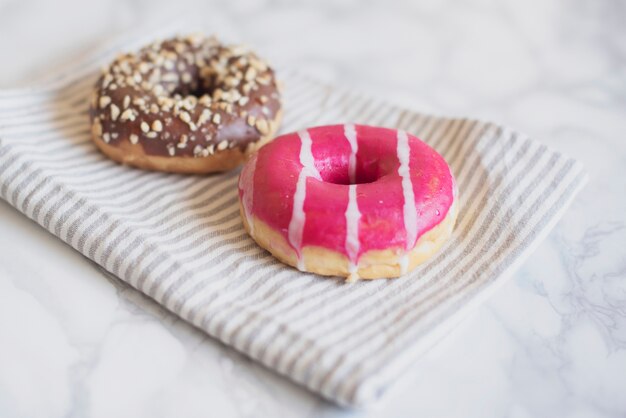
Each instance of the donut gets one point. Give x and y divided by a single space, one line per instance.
350 200
185 105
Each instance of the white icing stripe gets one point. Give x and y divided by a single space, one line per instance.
246 183
352 228
306 155
410 212
350 133
298 217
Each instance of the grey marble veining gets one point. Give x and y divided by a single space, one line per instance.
551 342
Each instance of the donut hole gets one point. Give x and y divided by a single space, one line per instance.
195 81
336 172
198 87
197 90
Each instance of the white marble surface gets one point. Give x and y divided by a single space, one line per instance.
551 342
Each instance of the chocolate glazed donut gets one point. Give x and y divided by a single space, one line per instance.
185 105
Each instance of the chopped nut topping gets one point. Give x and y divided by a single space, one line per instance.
195 38
128 114
217 118
179 47
170 78
222 145
108 78
182 143
251 120
190 102
115 112
157 126
264 80
258 65
261 125
145 128
158 90
232 81
104 101
144 67
106 137
238 50
251 74
204 116
185 117
134 139
205 100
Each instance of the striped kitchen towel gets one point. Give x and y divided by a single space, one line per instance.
180 240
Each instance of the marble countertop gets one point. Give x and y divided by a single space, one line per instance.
550 342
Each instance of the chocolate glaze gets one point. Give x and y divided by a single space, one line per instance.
196 96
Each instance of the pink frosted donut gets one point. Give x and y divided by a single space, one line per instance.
348 200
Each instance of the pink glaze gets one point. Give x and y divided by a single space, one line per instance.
402 188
